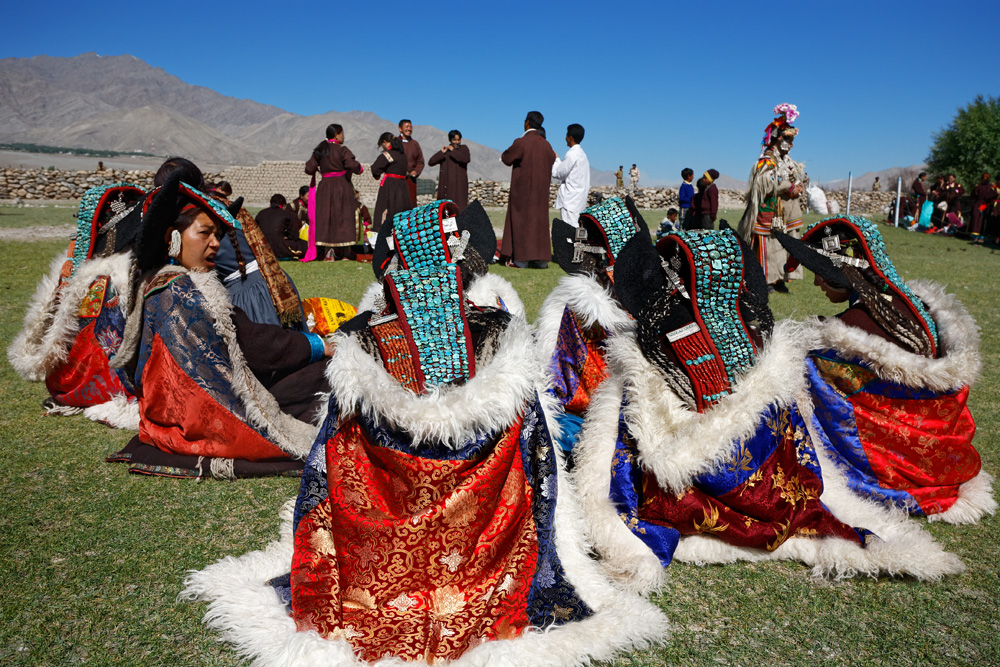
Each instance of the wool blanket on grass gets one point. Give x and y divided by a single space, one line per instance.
896 424
429 527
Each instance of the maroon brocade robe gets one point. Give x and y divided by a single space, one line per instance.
526 229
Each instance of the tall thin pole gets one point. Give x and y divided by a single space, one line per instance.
899 189
850 185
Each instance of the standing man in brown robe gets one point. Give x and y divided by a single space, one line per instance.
526 238
453 181
414 157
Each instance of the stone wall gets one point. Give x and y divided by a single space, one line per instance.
35 184
257 184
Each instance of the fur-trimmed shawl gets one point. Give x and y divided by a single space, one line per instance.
677 445
52 323
248 613
291 435
957 366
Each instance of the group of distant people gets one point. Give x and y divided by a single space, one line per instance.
942 210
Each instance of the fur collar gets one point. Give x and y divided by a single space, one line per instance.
959 364
491 400
677 444
52 323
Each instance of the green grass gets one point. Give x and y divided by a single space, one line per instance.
92 559
47 215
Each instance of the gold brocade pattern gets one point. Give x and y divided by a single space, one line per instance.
416 558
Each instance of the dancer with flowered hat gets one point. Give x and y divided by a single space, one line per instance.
776 182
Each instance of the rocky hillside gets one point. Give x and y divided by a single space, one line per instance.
122 103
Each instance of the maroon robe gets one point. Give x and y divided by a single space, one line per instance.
453 182
335 196
526 229
414 162
982 195
393 195
281 229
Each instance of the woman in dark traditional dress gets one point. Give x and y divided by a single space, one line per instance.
390 166
332 214
219 395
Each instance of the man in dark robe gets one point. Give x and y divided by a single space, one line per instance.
453 181
982 196
281 229
526 238
414 158
919 193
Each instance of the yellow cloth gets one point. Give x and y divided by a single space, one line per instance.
324 316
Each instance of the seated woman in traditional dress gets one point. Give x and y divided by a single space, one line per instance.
695 448
332 229
582 311
393 193
75 322
890 378
219 395
433 522
245 263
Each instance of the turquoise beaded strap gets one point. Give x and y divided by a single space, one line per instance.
880 258
718 275
420 239
430 307
85 220
614 219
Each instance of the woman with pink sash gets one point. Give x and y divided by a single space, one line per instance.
332 227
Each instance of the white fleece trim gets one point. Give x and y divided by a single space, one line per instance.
487 288
677 444
120 412
904 547
248 613
958 365
625 557
291 435
490 401
975 500
368 298
484 292
52 323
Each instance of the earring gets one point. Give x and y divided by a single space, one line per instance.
175 244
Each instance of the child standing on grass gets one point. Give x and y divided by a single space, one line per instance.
668 224
685 195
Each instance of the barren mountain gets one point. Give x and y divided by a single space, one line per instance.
123 103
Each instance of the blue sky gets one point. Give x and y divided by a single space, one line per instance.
663 84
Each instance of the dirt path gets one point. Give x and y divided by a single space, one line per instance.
38 233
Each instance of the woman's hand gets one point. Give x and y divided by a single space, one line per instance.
328 348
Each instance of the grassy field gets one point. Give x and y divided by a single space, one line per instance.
92 559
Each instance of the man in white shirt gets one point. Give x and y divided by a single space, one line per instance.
573 173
